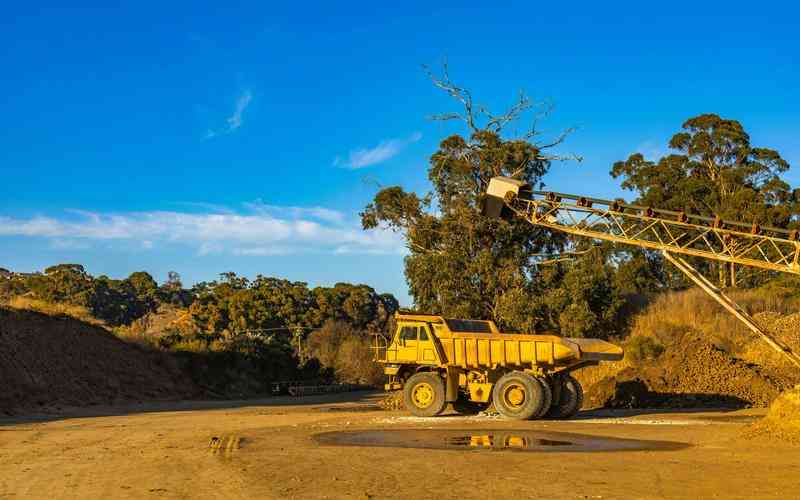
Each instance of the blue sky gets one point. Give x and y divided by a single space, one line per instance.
205 138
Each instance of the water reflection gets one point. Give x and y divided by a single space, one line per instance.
491 440
501 441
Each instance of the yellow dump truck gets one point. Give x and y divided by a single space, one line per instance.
471 364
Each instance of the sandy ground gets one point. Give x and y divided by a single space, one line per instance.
266 449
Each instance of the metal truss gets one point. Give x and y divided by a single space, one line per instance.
674 234
749 245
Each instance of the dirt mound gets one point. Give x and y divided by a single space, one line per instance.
783 420
692 372
785 328
49 361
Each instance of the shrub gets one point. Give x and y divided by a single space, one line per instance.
639 349
345 351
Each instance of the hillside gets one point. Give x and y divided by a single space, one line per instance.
52 361
685 351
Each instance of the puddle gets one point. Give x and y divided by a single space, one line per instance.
490 440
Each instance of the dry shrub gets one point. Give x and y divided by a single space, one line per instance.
640 349
346 352
354 363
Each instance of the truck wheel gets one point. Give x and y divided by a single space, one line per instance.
518 395
547 402
423 394
571 399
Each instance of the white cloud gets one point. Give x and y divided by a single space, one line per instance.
652 150
259 230
235 120
360 158
319 213
68 244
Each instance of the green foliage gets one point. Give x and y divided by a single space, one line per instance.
715 171
462 264
641 349
234 305
116 302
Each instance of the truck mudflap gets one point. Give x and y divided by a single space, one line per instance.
597 350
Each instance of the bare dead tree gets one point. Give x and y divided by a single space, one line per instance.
478 118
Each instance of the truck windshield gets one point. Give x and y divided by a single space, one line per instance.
408 333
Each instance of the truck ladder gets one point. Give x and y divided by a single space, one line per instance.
674 234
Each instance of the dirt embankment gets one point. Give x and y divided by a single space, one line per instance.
693 371
51 361
783 420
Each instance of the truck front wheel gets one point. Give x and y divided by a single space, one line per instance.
519 396
424 395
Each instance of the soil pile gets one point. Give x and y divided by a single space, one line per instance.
786 329
50 361
783 420
692 372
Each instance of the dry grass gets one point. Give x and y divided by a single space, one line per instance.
52 309
675 313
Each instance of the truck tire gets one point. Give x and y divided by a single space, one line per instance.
423 394
571 399
518 395
548 397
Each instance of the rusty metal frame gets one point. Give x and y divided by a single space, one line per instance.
598 219
674 234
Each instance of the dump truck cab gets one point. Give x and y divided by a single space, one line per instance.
471 364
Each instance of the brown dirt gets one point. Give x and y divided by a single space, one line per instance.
51 361
266 449
783 420
692 372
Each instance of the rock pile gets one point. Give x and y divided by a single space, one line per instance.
392 401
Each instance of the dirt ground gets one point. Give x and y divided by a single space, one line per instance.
267 449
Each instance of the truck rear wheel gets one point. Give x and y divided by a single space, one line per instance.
423 394
570 400
518 395
547 394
